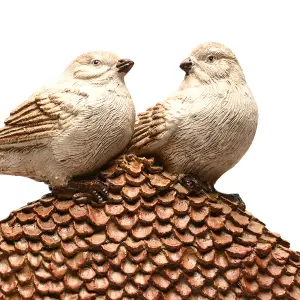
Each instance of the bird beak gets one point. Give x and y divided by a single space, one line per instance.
124 65
186 65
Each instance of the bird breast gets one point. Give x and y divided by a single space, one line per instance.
102 123
216 134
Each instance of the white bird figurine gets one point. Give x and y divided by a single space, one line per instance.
72 127
208 124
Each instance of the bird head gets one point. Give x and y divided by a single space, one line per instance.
211 62
98 66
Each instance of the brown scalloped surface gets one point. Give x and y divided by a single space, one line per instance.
152 240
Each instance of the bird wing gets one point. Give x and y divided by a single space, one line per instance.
39 116
156 125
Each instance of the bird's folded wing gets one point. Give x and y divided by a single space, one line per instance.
39 116
155 126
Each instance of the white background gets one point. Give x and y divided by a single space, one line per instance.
39 38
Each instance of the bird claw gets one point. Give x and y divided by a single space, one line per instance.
98 197
191 183
97 188
234 198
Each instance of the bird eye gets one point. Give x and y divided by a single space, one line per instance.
96 62
210 58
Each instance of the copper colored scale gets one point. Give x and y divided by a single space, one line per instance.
153 239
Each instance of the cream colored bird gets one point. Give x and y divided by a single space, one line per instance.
208 124
73 126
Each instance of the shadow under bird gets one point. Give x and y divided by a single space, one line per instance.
73 126
208 124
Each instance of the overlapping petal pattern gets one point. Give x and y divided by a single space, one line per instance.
153 239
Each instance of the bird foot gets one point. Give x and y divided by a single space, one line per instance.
96 187
192 184
196 186
236 198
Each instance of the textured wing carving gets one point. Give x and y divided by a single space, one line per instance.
156 125
39 116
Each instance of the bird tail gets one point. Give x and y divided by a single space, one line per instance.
9 162
3 166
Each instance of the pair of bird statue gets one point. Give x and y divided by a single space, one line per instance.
67 130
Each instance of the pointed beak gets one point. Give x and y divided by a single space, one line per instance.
186 65
124 65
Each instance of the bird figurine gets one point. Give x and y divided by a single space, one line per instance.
73 126
208 124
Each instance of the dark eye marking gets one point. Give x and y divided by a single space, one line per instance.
217 56
211 58
96 62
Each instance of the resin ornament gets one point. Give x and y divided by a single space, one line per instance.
154 238
208 124
72 126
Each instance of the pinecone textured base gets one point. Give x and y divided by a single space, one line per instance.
153 239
